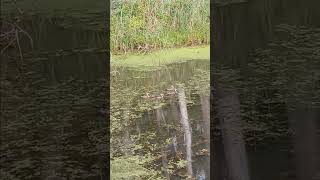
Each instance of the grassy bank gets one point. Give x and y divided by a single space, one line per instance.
161 57
144 25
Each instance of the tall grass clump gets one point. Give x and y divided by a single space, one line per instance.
142 25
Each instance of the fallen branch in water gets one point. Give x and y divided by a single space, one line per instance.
11 35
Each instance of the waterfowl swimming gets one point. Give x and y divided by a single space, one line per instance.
171 91
160 97
172 88
153 97
146 96
203 152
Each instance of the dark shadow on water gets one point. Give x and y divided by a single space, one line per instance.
266 102
53 102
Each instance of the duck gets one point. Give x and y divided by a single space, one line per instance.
172 88
160 97
146 96
203 152
171 91
153 97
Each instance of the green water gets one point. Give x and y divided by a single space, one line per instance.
145 124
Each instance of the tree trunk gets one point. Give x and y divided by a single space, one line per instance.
233 141
302 122
205 107
160 118
186 127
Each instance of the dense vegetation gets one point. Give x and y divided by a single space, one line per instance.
142 25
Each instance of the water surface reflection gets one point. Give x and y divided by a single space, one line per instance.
166 113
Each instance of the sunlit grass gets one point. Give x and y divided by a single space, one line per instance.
162 57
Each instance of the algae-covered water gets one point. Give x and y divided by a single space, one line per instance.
162 114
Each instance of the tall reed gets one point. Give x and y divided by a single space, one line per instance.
143 25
